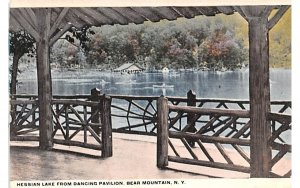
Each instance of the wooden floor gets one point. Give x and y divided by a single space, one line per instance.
134 157
134 160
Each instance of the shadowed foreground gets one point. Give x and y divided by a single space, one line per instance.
134 157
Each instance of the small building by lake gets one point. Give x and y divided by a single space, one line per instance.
129 68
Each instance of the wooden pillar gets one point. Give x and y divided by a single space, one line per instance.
162 132
259 89
191 96
44 78
106 127
95 96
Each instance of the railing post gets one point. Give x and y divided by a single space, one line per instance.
106 126
191 96
13 113
162 132
95 96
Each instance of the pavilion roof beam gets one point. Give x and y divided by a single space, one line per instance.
207 11
114 15
28 18
97 16
14 24
148 14
187 12
59 20
32 16
228 10
61 32
273 21
25 24
240 11
83 17
77 20
130 14
165 13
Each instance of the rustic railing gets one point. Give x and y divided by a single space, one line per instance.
280 142
218 138
24 119
76 122
138 114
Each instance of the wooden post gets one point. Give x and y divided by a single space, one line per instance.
260 150
162 132
191 96
44 78
106 127
95 96
13 113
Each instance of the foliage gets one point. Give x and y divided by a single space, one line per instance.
21 43
219 42
69 51
280 42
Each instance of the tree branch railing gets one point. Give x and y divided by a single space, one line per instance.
138 114
76 122
24 119
280 142
217 138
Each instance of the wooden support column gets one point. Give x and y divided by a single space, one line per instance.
162 132
107 150
259 90
191 96
44 78
95 96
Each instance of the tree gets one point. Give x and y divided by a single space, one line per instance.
20 43
67 54
221 50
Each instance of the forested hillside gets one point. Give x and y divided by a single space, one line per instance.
219 42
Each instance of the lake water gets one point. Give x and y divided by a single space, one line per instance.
206 84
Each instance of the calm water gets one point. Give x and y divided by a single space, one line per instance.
206 84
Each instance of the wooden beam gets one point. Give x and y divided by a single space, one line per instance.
58 21
147 13
32 16
185 11
240 11
28 18
274 20
14 24
130 14
207 11
44 79
260 129
165 13
75 20
85 18
93 13
228 10
24 23
253 11
106 136
62 31
162 132
114 15
210 111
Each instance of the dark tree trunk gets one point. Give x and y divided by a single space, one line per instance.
14 73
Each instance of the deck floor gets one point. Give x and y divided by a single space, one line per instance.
134 157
